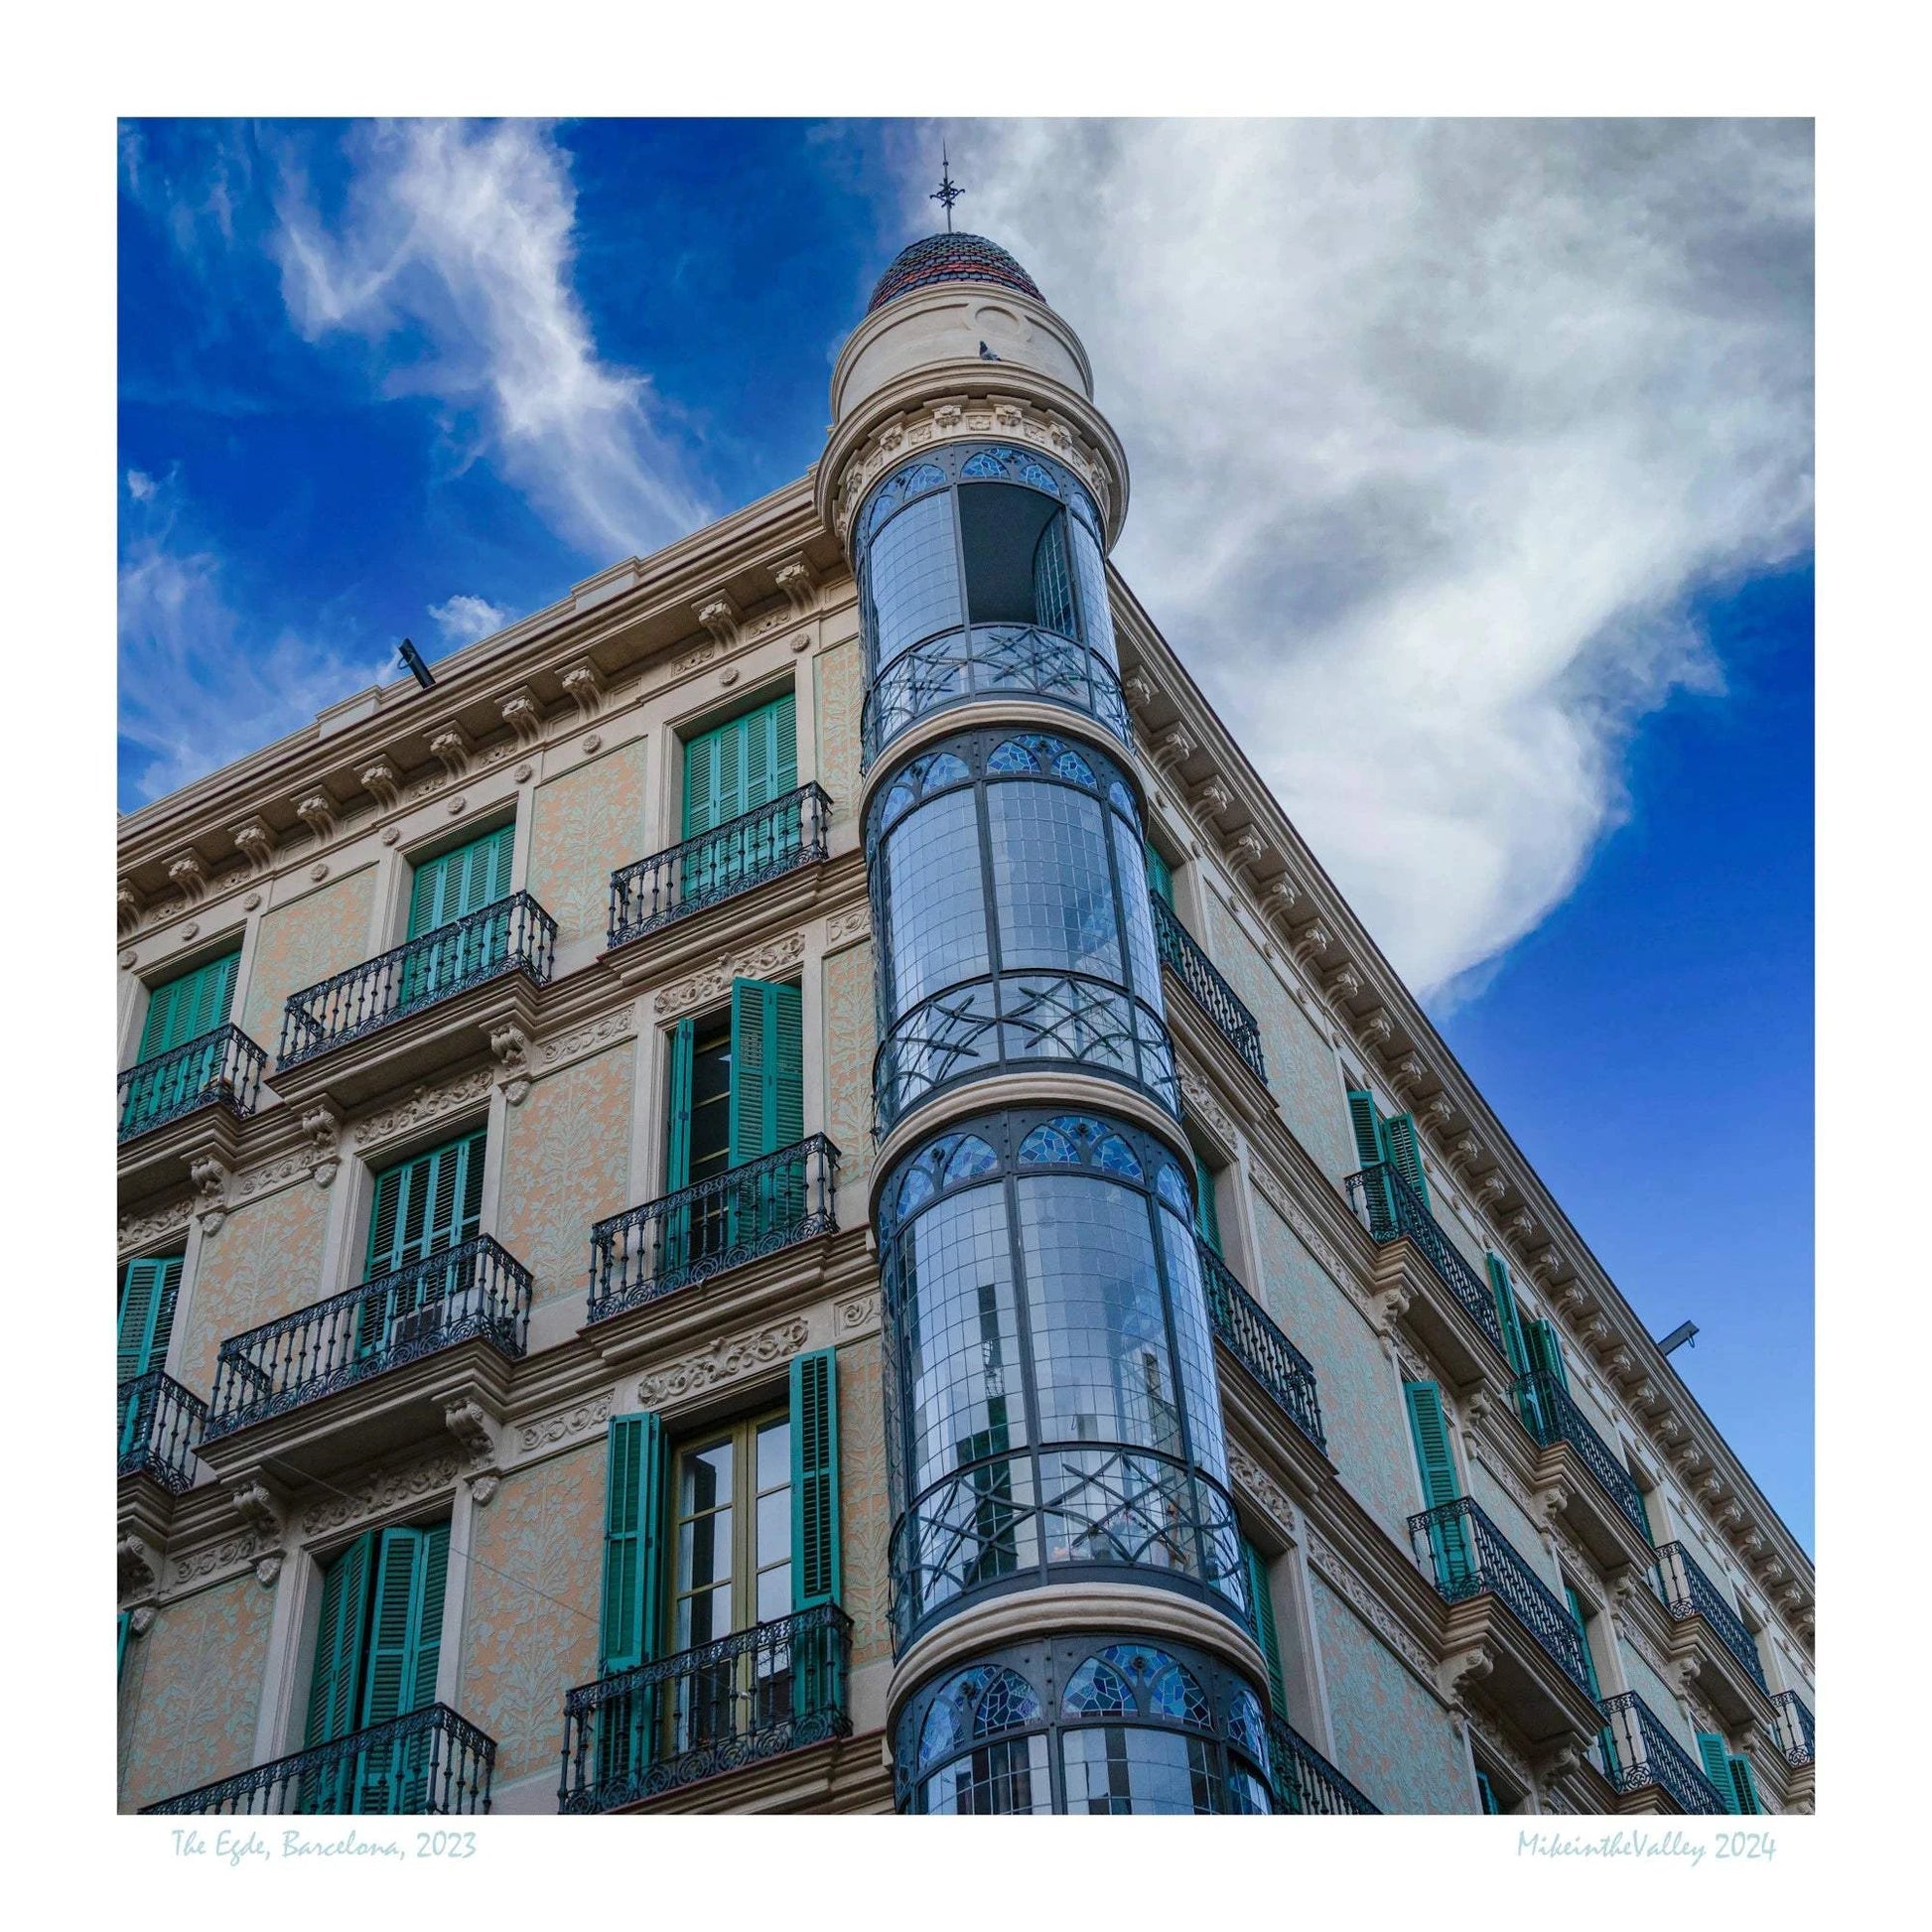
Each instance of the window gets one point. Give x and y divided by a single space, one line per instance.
147 1315
378 1644
1261 1600
1448 1534
1388 1142
462 880
1730 1773
737 766
425 1206
187 1008
1606 1744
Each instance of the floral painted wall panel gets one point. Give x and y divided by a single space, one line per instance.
588 823
840 694
1300 1063
530 1615
264 1260
1368 1439
1392 1737
567 1165
303 942
865 1511
1520 1533
850 1033
194 1703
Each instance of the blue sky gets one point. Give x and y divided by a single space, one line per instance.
1471 461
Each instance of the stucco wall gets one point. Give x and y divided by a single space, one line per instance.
585 825
324 932
532 1606
839 692
566 1164
1392 1737
1655 1692
1503 1511
190 1690
1361 1412
264 1260
865 1513
850 1037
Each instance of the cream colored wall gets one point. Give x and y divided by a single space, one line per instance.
850 1037
585 825
839 690
302 943
265 1259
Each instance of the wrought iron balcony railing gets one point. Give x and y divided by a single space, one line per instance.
1688 1591
1642 1752
159 1430
430 1764
1391 1210
774 1688
1007 660
1264 1351
760 845
774 1203
474 1289
1307 1783
219 1070
1180 951
514 936
1796 1737
1468 1555
1551 1415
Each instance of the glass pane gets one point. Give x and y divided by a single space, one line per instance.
704 1550
913 574
704 1616
938 910
774 1592
775 1526
706 1478
775 1455
1052 881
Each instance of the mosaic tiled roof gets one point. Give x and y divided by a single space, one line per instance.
952 258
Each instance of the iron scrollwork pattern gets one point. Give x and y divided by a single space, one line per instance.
1642 1752
1689 1592
222 1068
160 1428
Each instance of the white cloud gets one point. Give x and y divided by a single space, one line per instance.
140 486
1434 429
456 240
464 618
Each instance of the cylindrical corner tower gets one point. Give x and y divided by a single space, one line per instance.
1071 1618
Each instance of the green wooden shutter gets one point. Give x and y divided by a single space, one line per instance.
462 881
767 1095
1744 1786
1508 1317
1571 1597
120 1643
1405 1151
1261 1598
1367 1123
1160 877
1486 1796
1715 1754
1207 1219
1430 1435
147 1315
340 1639
406 1635
677 1158
815 1557
1546 1352
427 1203
634 1504
191 1003
735 768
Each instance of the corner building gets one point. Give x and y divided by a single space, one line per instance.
958 1281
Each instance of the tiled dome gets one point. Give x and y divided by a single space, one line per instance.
952 258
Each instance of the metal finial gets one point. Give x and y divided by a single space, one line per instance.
947 194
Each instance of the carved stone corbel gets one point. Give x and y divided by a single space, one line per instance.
317 812
1520 1225
378 778
1436 1112
720 617
1552 1501
127 907
482 1488
321 1127
1376 1026
1138 688
1246 850
1493 1185
1558 1763
521 712
1310 941
1342 985
190 877
1280 899
584 684
1175 747
1390 1307
1409 1072
1463 1672
1466 1153
464 1418
268 1568
255 841
141 1620
1617 1364
256 1506
137 1566
1213 799
795 577
451 747
211 1177
511 1047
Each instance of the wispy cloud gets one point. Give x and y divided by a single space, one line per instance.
464 618
200 682
1436 430
454 249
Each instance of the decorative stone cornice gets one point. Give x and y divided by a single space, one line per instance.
523 712
714 981
562 1426
190 877
381 780
584 685
424 1105
386 1490
722 1361
254 839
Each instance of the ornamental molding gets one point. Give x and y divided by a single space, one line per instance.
1269 1496
564 1424
1499 1747
1370 1607
720 1362
137 1230
386 1490
425 1105
1200 1102
714 981
855 922
855 1316
235 1553
511 1047
578 1043
1004 417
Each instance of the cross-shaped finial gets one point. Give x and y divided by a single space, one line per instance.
947 194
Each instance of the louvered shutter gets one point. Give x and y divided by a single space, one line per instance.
1262 1600
632 1530
1160 877
184 1008
149 1287
1715 1756
425 1204
465 881
1448 1539
1547 1352
1575 1602
120 1642
1207 1219
787 1113
1507 1316
700 800
1367 1125
767 1095
406 1634
815 1555
1744 1786
1405 1151
338 1643
1486 1796
677 1161
1370 1151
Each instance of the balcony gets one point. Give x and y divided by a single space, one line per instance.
989 660
759 1694
1609 1510
158 1428
761 1209
475 1292
431 1764
1524 1645
1251 1336
219 1070
1452 1307
1709 1632
508 947
703 872
1645 1760
1181 954
1306 1783
1793 1733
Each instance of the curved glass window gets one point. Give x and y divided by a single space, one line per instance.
1086 1723
1009 880
981 570
1050 1393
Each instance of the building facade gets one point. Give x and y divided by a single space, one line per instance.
792 1191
